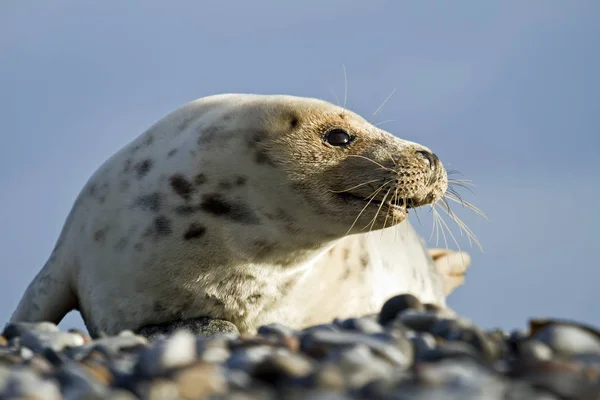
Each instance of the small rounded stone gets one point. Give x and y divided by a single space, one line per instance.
397 304
15 329
329 377
200 380
568 340
175 351
533 349
282 365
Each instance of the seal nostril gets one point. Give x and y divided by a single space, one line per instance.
431 157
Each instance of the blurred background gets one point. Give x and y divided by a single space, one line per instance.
506 92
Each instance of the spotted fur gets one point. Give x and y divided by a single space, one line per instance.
229 208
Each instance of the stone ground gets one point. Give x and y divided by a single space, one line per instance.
407 351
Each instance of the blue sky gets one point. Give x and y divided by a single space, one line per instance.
506 92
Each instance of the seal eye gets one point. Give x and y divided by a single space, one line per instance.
338 137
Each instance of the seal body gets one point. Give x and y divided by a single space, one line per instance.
248 208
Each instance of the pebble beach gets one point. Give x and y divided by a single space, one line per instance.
407 351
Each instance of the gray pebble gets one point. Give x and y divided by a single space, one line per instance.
177 350
568 340
15 329
363 325
26 384
533 349
323 341
38 341
276 329
246 358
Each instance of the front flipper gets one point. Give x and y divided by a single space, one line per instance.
452 266
202 326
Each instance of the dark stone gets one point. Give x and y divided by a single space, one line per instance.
398 304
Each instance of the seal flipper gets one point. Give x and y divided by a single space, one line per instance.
452 266
202 326
48 298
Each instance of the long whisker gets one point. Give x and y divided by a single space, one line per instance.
373 161
461 224
383 104
379 209
450 196
366 205
391 158
384 122
345 86
335 95
453 172
353 187
439 220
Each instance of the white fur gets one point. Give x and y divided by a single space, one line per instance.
169 278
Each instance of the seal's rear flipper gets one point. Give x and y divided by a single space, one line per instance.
203 326
48 298
452 266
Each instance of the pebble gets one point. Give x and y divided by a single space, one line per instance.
38 341
398 304
408 351
568 340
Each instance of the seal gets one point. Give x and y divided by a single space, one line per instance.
248 209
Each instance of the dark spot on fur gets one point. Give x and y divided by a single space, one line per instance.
181 186
294 122
184 124
255 139
149 140
138 246
346 254
199 179
152 202
364 260
100 235
93 190
225 185
142 168
347 272
159 307
161 226
171 153
121 244
127 166
287 286
240 180
254 298
215 204
263 159
195 231
207 135
186 209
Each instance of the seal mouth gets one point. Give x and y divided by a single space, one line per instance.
402 203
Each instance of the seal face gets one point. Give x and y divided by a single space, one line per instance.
228 207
